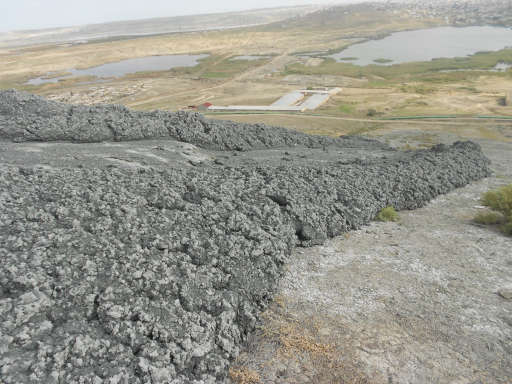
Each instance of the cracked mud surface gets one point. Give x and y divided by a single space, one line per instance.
150 261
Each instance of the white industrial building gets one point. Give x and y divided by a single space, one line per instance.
296 101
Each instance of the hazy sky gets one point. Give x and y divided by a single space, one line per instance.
34 14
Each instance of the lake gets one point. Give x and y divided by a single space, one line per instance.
125 67
426 44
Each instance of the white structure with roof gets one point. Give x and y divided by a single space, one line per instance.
291 102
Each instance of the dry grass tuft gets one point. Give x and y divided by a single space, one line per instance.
293 339
500 202
304 342
244 375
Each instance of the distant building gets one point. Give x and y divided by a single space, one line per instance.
204 107
296 101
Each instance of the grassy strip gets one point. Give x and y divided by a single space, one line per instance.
446 117
219 67
420 117
495 117
483 61
208 113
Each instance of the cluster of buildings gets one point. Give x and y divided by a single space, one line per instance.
458 12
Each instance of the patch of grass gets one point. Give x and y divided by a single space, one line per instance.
219 67
348 58
361 128
215 75
499 200
507 227
382 61
470 89
500 203
489 218
420 89
244 376
346 108
388 214
302 341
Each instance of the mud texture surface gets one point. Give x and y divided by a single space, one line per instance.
156 271
25 117
416 301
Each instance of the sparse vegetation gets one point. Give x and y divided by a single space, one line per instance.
469 89
301 342
346 108
371 112
500 203
326 349
489 218
388 214
244 376
420 89
219 67
382 61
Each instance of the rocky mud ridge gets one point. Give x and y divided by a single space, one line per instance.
157 275
24 117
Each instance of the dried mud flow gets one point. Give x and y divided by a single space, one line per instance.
157 272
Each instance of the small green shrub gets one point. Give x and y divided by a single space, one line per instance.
502 101
371 112
388 214
500 202
346 108
507 227
489 218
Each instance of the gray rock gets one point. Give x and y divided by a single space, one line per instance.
506 293
25 117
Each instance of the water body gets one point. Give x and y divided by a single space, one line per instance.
125 67
427 44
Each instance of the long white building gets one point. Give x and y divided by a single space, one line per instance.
296 101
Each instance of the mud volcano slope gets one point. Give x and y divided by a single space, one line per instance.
156 275
25 117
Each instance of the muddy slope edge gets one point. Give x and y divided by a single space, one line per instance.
156 276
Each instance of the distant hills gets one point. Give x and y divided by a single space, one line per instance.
154 26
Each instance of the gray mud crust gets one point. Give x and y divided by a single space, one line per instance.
114 274
25 117
415 301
